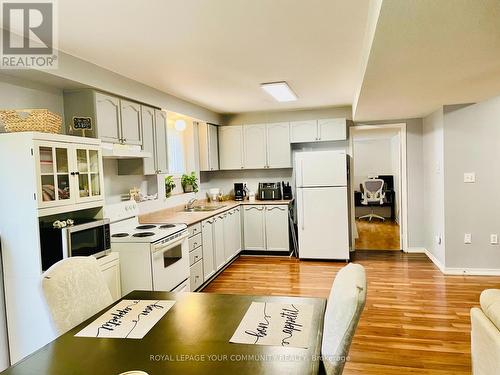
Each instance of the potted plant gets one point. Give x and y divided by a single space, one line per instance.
169 185
189 182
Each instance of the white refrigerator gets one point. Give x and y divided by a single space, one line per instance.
322 204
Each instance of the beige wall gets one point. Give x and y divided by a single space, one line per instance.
279 116
471 144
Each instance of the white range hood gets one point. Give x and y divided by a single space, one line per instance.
117 151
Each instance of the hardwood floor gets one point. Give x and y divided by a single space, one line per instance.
416 320
377 235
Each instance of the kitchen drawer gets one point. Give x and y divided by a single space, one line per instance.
195 241
194 229
196 272
195 256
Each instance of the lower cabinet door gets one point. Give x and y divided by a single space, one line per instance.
277 228
220 256
254 230
208 248
237 230
196 278
111 273
229 235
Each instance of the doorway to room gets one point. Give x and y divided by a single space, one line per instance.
378 184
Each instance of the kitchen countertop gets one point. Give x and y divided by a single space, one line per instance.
178 215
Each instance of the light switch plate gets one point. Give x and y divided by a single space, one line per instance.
467 238
469 177
494 239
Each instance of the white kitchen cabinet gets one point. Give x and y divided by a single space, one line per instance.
265 227
110 267
232 233
148 139
276 218
161 141
303 131
68 173
196 275
255 149
208 147
254 227
220 257
279 153
207 234
334 129
131 122
154 140
231 147
107 115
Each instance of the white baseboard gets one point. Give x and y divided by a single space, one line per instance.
415 250
460 271
472 271
435 261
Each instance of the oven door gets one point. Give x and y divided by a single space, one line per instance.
170 264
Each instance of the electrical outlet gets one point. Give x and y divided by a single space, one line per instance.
494 239
469 178
468 238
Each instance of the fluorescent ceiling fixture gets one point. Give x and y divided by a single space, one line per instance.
180 125
279 91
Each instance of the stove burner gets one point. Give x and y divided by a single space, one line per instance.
147 226
167 226
120 235
143 234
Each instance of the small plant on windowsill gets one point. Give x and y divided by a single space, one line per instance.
169 185
189 182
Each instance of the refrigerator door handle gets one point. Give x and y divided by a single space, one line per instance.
302 173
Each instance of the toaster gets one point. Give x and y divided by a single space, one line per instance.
269 191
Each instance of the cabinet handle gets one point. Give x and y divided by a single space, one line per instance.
124 140
195 244
196 257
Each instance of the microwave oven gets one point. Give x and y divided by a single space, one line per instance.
85 238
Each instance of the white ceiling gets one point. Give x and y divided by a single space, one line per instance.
216 53
429 53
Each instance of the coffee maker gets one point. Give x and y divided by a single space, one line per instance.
239 191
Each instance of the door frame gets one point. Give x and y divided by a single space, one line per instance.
403 226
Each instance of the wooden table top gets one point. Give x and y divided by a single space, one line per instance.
192 338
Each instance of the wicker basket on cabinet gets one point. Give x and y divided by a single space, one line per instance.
31 120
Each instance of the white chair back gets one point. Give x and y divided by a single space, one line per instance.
343 310
373 191
74 290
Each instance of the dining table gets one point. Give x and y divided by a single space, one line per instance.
193 337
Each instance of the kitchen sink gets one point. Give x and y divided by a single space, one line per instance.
204 208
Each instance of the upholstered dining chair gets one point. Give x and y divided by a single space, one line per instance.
74 290
343 310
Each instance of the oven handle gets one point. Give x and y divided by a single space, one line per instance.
163 248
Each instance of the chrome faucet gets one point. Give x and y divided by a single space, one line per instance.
190 204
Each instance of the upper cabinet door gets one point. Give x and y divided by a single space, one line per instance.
303 131
255 150
148 138
89 173
278 145
161 141
131 122
213 148
333 129
203 146
108 117
231 147
56 175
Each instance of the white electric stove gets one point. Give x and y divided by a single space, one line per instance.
152 256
